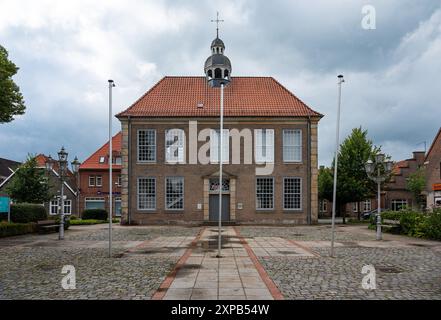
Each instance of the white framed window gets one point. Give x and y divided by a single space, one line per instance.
264 145
146 193
118 160
174 193
292 145
324 205
292 193
53 207
102 159
215 145
94 203
99 181
174 146
118 181
367 205
354 206
265 193
67 207
146 145
91 181
398 204
117 206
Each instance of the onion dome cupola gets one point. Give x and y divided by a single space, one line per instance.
217 66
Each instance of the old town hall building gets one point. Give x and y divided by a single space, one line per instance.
170 151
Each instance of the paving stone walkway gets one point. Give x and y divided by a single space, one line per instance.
233 276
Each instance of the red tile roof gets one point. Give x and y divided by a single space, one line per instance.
41 163
93 162
396 170
243 97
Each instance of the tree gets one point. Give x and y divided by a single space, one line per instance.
353 183
325 184
11 100
416 183
29 183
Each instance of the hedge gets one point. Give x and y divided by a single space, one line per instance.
26 212
15 229
95 214
413 223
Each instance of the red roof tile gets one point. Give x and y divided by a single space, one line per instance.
243 97
93 162
396 170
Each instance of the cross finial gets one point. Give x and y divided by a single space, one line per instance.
217 23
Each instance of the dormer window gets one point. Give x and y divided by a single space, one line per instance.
102 159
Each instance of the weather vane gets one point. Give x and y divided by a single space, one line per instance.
217 23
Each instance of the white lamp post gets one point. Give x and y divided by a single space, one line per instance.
337 146
111 85
378 171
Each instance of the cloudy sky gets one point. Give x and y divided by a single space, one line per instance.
67 50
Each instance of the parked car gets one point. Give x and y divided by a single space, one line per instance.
366 215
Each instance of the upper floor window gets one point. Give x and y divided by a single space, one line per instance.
215 145
118 160
264 145
292 145
174 145
91 181
147 145
99 181
102 159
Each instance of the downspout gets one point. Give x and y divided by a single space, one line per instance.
129 171
309 178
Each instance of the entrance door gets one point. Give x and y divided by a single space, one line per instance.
214 207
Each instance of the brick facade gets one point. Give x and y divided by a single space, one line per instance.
433 173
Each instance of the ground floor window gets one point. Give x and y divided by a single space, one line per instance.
117 207
367 205
354 206
146 193
292 193
54 210
95 203
398 204
265 193
323 205
174 193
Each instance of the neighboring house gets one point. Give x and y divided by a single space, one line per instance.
394 194
7 168
94 178
170 142
432 164
70 187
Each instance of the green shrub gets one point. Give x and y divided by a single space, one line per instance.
27 212
432 225
412 223
96 214
73 218
15 229
86 222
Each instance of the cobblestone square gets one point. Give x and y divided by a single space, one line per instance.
176 262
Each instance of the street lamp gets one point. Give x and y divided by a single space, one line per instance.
337 146
218 70
62 163
111 85
75 168
378 171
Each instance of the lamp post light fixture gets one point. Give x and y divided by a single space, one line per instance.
75 168
62 161
218 70
337 146
378 171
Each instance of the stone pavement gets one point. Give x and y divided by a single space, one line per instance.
204 276
259 262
